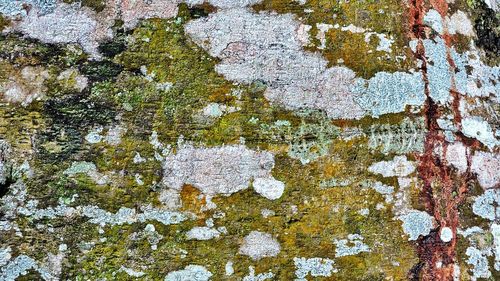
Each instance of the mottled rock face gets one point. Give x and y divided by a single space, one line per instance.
249 140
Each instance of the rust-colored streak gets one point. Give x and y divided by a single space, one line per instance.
443 187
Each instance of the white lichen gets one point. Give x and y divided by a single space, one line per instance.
390 92
399 166
269 188
316 267
486 166
258 245
218 170
66 24
456 155
353 245
479 261
487 204
446 234
495 232
416 223
229 268
476 127
189 273
202 233
272 54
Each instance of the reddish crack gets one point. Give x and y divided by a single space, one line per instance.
443 187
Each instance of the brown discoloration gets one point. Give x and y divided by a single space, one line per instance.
443 188
192 199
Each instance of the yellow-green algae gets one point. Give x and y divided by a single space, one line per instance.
387 17
161 46
307 217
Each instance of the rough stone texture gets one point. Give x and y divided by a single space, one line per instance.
249 140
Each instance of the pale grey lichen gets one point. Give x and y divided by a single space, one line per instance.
271 52
439 72
5 255
112 137
316 267
353 245
190 273
486 166
456 156
457 23
321 34
482 77
18 267
476 127
170 198
17 8
269 188
399 166
72 79
132 11
334 182
486 205
150 234
384 41
461 24
217 170
11 202
65 24
72 23
94 136
81 167
5 165
390 92
258 245
202 233
215 110
128 216
31 210
267 213
229 268
433 19
479 261
416 223
385 190
470 231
